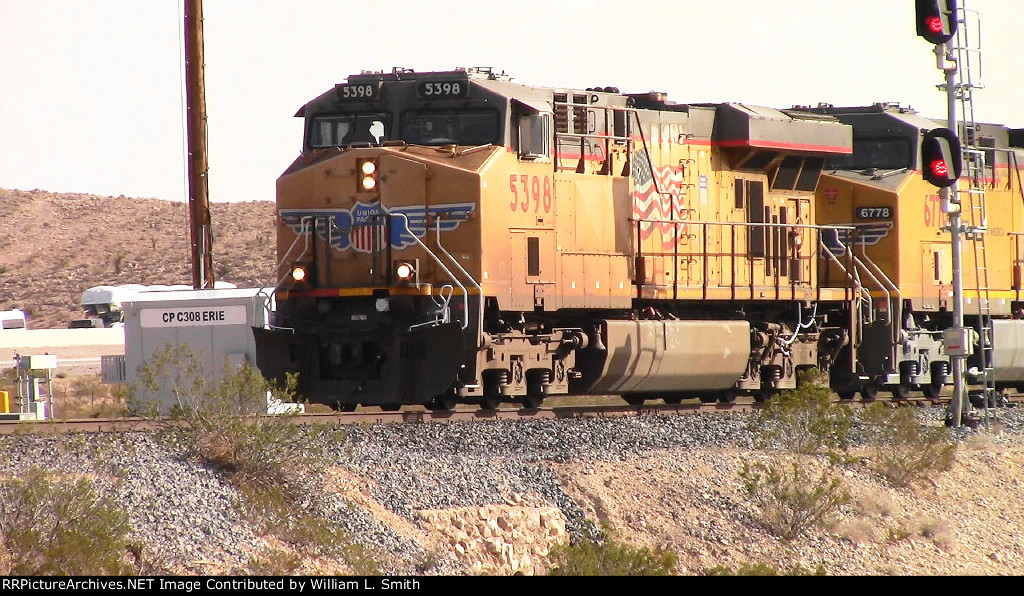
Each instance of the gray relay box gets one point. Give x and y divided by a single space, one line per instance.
959 341
214 324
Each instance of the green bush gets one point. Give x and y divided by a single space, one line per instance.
790 499
266 456
62 526
225 422
803 420
305 534
600 554
903 450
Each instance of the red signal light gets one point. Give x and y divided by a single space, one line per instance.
936 20
941 161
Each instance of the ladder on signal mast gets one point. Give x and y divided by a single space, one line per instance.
967 49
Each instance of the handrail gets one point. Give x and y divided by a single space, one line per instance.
303 233
465 322
898 318
465 297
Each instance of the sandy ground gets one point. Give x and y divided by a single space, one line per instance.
78 350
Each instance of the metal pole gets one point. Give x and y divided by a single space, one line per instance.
200 231
946 61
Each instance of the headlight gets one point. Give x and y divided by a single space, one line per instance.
299 273
367 173
405 271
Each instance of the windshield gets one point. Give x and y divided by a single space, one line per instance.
450 127
344 129
882 153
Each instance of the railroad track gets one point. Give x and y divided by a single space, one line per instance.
419 415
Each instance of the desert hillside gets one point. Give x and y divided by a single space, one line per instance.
54 246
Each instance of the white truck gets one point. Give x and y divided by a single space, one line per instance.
12 319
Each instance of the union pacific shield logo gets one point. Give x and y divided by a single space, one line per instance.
369 227
838 239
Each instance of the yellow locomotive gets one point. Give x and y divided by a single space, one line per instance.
455 236
892 237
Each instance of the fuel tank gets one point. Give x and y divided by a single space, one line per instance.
666 356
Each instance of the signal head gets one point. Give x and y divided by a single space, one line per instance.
936 20
941 159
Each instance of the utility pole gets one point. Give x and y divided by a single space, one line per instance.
200 232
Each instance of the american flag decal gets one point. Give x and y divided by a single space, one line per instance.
649 203
370 227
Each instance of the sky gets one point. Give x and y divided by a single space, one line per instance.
92 92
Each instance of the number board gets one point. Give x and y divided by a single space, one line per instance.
358 92
442 89
872 213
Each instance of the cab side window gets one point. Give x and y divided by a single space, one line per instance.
534 136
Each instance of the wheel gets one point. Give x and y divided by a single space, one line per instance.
490 402
532 401
900 391
932 389
846 394
391 407
726 396
444 403
869 392
938 380
634 400
708 398
673 400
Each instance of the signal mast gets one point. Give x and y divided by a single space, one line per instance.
941 164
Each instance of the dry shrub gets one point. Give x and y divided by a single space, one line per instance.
224 422
859 531
935 529
601 554
903 450
876 503
804 420
267 457
791 500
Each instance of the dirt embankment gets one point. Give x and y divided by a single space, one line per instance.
55 246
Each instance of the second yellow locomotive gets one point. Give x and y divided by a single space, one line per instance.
455 236
892 236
